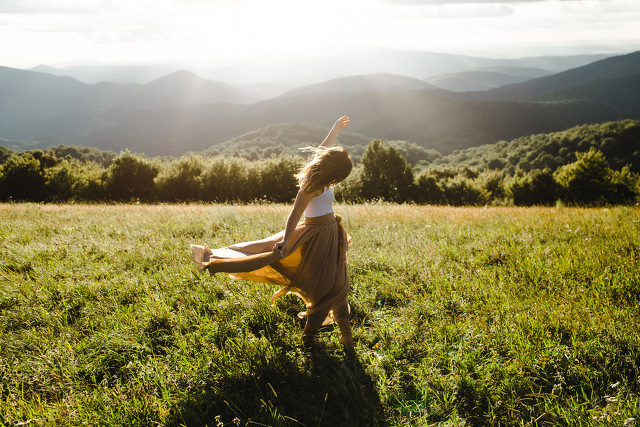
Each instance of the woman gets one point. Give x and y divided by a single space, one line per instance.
307 258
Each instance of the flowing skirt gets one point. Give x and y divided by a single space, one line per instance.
314 266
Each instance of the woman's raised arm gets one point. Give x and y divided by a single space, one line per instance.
340 124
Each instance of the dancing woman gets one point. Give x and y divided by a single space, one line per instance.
308 258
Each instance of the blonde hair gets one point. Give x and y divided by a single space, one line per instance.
328 167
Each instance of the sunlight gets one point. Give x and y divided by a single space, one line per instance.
225 31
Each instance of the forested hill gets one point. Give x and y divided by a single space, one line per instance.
589 164
77 152
288 138
618 141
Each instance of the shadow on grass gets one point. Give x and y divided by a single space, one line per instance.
317 389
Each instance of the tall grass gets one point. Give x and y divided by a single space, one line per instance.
461 316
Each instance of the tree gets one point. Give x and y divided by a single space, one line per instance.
461 191
627 186
350 190
385 174
130 176
588 179
429 190
277 179
23 178
5 153
492 182
536 188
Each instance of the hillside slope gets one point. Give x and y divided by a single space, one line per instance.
552 87
619 141
380 82
288 138
485 79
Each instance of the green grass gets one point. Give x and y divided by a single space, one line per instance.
461 316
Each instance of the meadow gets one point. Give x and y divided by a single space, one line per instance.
461 316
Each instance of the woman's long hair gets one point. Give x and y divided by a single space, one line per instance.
328 167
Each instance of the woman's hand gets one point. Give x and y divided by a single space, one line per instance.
280 246
341 123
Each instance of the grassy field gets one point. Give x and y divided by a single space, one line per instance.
461 316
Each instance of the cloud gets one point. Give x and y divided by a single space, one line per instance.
442 2
453 11
83 7
45 7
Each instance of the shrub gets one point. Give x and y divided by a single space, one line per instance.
179 181
462 191
535 188
277 179
429 190
130 176
588 179
22 178
229 180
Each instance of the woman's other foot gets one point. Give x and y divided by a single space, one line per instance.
201 255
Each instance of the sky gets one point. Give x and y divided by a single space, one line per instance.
221 32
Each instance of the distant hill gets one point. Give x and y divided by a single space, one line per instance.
288 138
619 141
419 65
5 153
100 73
61 110
295 73
20 145
558 86
185 88
84 154
380 82
29 95
485 79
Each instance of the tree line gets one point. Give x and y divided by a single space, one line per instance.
382 173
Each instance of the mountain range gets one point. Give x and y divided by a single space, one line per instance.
182 112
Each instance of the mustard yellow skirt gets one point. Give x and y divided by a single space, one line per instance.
314 266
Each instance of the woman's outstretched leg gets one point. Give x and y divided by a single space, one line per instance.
242 264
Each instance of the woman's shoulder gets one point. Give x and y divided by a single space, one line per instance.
314 193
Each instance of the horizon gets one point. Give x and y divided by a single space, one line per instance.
177 33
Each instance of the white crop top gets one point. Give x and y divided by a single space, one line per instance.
320 205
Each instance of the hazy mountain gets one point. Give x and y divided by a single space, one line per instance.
266 78
28 97
160 118
184 87
430 119
39 106
605 70
98 73
418 65
380 82
485 79
302 72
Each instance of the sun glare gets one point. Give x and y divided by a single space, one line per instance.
223 31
